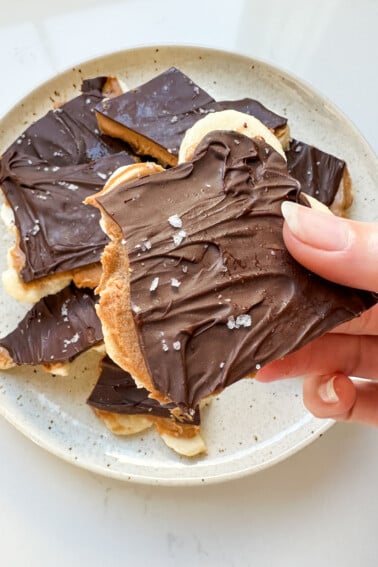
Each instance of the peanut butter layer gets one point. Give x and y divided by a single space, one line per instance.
154 117
214 294
321 175
57 329
56 231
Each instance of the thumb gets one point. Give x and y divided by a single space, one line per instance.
337 249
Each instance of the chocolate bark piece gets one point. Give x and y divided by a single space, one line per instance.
117 392
127 410
215 295
321 175
253 108
57 232
154 117
69 135
57 329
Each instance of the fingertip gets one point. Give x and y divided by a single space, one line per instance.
329 396
269 373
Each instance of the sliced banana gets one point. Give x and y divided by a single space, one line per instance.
226 120
186 446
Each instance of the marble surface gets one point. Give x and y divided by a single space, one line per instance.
319 506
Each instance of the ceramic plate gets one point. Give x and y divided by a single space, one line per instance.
250 426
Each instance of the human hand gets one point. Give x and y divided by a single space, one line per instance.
345 252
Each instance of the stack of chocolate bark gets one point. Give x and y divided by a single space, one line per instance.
186 278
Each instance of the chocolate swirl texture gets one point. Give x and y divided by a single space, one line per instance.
57 232
117 392
214 292
57 329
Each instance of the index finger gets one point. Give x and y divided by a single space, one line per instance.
366 324
341 250
351 355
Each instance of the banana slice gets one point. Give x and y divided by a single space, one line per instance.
226 120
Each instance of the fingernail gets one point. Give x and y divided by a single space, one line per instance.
327 391
316 228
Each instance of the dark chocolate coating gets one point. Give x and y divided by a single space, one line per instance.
117 392
38 169
251 107
165 107
161 109
57 329
229 298
319 173
69 134
57 231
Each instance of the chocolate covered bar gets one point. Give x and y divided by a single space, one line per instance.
126 410
68 134
321 175
56 231
54 331
45 175
116 392
154 117
212 294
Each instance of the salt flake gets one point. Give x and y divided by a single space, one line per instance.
179 237
154 284
243 321
175 221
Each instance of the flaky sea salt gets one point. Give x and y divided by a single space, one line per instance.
175 221
70 186
71 341
231 323
35 230
64 308
179 237
243 320
177 345
175 282
154 284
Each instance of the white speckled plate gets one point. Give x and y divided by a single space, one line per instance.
249 427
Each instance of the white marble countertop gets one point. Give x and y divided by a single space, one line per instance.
317 508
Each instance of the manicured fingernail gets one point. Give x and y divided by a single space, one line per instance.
316 228
327 391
